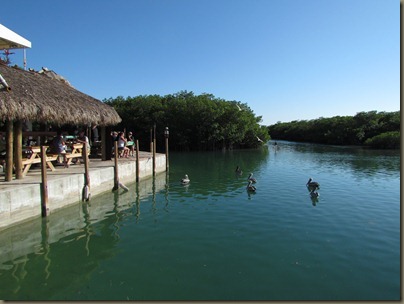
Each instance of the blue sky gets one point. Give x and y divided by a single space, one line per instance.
287 59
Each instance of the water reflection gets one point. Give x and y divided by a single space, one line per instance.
216 174
367 161
47 255
205 231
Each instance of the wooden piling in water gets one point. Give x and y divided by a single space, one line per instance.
137 161
154 158
86 189
116 173
44 183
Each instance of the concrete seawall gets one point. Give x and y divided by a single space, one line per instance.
20 200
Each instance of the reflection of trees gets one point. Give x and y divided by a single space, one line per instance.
364 160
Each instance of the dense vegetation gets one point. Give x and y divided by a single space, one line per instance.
196 122
374 129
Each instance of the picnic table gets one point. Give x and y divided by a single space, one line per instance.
77 150
34 157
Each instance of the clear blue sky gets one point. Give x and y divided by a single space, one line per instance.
287 59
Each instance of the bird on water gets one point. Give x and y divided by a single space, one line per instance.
251 178
185 180
312 184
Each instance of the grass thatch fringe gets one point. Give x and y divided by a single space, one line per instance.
36 97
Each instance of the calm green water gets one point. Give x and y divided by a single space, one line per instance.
211 240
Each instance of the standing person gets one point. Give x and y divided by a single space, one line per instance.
131 147
83 139
59 147
122 145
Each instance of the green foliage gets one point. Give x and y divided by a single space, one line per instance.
196 122
339 130
387 140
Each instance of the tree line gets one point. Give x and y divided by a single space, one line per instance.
195 122
373 129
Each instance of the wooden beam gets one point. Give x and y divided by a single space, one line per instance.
103 143
9 150
18 149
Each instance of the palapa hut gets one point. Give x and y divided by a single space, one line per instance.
33 96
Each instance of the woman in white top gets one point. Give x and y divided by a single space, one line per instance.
123 150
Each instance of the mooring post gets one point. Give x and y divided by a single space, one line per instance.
44 184
151 140
86 190
116 178
117 183
154 158
166 135
137 161
154 150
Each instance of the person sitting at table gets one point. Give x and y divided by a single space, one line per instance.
123 150
131 147
59 147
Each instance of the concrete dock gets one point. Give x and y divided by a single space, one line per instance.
20 200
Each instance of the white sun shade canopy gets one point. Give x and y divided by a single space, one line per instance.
11 40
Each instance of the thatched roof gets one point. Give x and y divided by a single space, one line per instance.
36 97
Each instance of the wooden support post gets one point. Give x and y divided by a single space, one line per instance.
18 149
109 145
154 158
44 184
154 150
151 140
116 173
167 153
9 150
137 161
103 143
86 190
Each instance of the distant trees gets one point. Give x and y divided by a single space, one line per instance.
196 122
375 129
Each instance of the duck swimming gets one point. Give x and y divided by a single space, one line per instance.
250 187
185 180
238 170
312 184
252 179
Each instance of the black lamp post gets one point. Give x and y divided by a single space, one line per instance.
166 135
